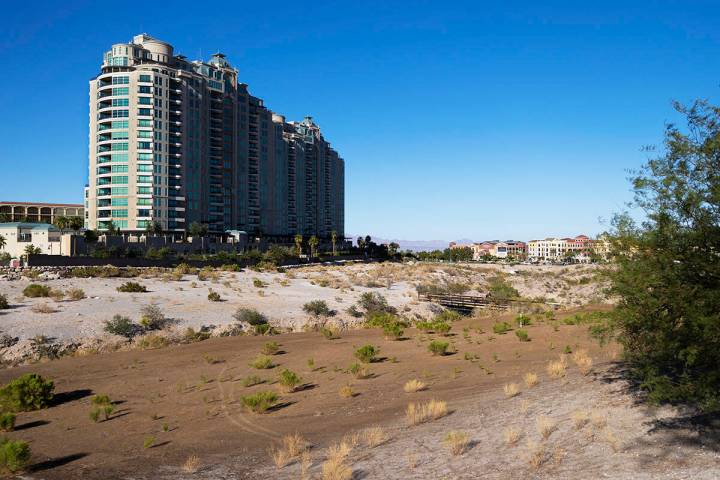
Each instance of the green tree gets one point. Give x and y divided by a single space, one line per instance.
154 228
667 274
333 239
393 248
76 223
361 243
298 244
197 229
313 242
112 229
3 242
32 250
62 222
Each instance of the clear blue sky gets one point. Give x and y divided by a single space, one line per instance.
456 119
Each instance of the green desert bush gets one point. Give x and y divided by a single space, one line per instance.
252 380
500 289
27 392
289 380
257 283
501 328
270 348
262 362
35 290
121 326
250 315
7 421
373 302
437 347
260 402
14 455
329 333
393 330
522 320
447 316
317 308
4 302
131 287
367 353
214 296
152 318
522 335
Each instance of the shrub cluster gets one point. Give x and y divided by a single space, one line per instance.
35 290
260 402
27 392
437 347
501 328
317 308
14 455
131 287
367 353
4 302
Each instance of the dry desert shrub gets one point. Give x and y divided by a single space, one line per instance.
580 418
43 308
294 444
305 464
556 369
279 456
524 406
75 294
417 413
531 379
415 385
352 440
346 391
536 454
457 442
613 441
335 466
545 426
511 389
598 420
557 456
584 363
511 436
192 464
375 436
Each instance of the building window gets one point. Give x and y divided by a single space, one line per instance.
119 190
144 134
120 102
120 113
120 80
119 124
144 145
144 201
144 168
146 112
120 91
145 78
144 190
119 146
145 100
120 213
119 169
144 123
119 202
144 179
120 180
121 135
144 89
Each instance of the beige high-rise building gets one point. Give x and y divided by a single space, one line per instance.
175 142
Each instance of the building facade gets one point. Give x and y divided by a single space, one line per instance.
44 237
38 212
579 248
174 141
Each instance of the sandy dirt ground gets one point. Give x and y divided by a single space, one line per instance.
184 401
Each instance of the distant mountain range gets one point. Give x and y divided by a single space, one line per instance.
416 245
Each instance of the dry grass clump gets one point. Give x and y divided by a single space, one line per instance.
531 379
598 420
580 418
556 369
335 466
511 389
417 413
192 464
375 436
524 406
43 308
614 442
583 361
414 385
537 455
457 442
545 426
292 446
346 391
75 294
511 436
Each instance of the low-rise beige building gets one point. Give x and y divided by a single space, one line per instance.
46 238
39 212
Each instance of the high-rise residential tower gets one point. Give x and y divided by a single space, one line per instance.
176 142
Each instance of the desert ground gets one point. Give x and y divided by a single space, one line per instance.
179 414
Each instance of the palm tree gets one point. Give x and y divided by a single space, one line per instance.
313 242
361 243
2 242
298 244
333 239
62 222
76 223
